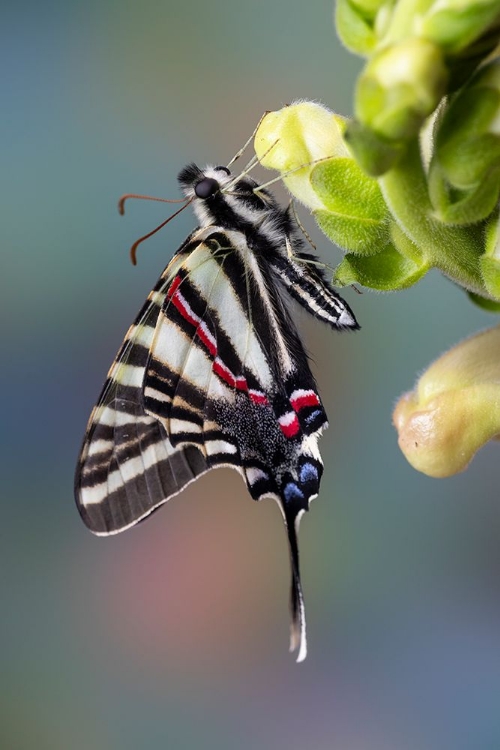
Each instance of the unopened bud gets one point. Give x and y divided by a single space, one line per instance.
401 85
455 24
454 408
294 139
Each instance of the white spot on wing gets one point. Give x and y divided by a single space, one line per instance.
254 474
130 375
213 447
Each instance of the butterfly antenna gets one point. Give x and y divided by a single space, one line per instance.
133 249
127 196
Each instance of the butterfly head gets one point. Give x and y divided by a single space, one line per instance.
219 197
203 183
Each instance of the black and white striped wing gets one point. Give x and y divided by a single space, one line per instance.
212 373
127 466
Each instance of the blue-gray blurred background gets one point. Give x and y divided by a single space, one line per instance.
175 633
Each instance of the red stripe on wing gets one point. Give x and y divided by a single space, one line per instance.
301 399
207 338
289 424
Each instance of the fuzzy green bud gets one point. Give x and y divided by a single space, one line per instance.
401 85
454 408
455 24
375 154
354 28
369 8
293 139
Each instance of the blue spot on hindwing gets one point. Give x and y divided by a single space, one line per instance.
308 473
312 417
292 492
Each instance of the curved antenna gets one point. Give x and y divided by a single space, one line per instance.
127 196
133 249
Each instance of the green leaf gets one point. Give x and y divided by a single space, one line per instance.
361 236
368 8
454 25
465 148
344 188
386 271
400 86
474 205
485 304
490 268
355 215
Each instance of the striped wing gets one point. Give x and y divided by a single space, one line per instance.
127 466
212 373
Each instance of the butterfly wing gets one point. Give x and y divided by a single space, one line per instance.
212 373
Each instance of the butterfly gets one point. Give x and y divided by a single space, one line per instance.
213 371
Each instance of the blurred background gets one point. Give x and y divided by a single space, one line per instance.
175 634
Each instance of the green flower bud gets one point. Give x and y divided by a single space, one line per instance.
455 24
354 27
454 408
369 8
401 85
299 136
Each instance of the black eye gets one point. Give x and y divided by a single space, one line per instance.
206 187
223 169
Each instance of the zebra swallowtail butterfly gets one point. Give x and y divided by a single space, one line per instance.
213 372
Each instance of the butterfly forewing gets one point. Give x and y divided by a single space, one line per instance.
213 373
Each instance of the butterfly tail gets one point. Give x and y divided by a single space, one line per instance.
298 625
